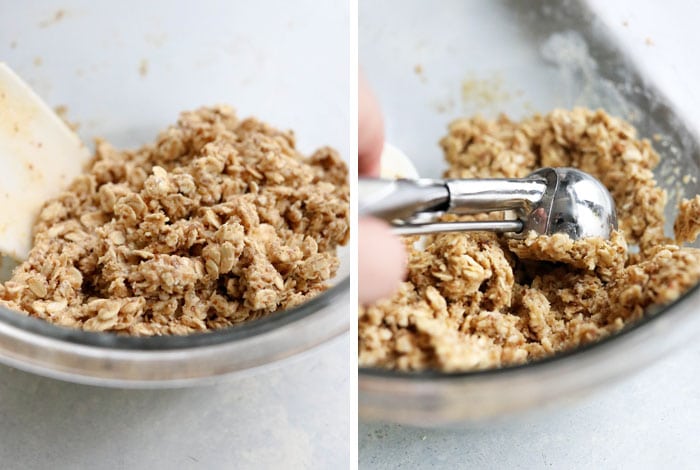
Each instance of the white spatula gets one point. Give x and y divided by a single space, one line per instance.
39 156
395 164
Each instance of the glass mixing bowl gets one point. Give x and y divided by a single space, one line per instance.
107 359
129 80
526 57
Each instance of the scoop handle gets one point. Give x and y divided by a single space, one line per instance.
400 199
409 203
404 198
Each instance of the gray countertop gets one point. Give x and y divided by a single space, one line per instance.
293 415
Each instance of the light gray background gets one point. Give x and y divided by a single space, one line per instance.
292 416
285 62
651 420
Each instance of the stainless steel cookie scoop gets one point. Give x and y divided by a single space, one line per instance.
548 201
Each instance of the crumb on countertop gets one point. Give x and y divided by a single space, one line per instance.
57 17
143 68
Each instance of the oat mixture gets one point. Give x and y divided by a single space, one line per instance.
476 301
218 222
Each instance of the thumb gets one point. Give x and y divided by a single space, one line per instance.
382 261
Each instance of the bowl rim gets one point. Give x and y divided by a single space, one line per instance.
231 334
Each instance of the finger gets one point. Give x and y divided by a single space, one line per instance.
382 261
370 131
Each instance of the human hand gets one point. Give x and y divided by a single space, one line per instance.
382 256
